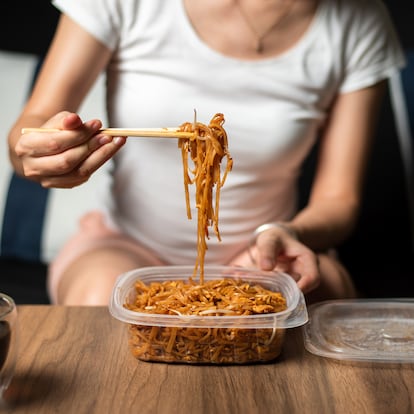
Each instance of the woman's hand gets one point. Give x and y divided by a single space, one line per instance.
66 158
277 249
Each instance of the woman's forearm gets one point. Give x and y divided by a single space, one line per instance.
325 224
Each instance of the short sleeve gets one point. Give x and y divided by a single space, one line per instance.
101 19
373 51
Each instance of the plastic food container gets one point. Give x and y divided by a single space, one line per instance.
362 330
207 339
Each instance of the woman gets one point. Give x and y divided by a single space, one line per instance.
284 73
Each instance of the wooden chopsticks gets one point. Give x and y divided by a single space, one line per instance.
125 132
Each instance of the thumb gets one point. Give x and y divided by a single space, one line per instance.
64 120
71 121
269 247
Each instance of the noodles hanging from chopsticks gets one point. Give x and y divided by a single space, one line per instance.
206 149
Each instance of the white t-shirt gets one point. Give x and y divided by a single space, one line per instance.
161 71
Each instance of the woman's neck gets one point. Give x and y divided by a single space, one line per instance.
251 29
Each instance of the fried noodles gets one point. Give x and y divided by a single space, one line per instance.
206 149
205 345
214 297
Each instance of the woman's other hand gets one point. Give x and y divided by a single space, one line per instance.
277 249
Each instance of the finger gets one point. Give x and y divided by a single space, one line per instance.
305 270
63 162
83 172
71 121
64 120
269 247
292 257
40 144
101 155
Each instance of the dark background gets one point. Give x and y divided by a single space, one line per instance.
28 26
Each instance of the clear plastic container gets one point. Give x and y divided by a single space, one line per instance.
209 339
371 330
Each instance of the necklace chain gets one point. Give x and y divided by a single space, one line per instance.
260 37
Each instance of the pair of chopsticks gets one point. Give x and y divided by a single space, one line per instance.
125 132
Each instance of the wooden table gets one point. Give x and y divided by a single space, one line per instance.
76 360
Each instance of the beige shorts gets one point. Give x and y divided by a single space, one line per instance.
93 233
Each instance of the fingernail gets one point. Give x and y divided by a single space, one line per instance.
104 139
119 140
95 125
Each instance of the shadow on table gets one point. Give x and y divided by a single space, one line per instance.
24 390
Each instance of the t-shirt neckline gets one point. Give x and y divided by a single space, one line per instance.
206 50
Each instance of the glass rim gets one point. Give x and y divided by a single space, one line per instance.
7 305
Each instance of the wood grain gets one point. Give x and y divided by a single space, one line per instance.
76 360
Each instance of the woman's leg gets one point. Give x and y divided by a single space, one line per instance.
86 269
336 283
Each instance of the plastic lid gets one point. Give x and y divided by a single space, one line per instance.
376 330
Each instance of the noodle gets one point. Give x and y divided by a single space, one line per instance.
207 149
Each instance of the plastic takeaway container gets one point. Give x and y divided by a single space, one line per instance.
212 338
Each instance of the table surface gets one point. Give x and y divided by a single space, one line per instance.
76 360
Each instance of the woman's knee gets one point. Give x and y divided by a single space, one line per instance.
89 279
336 282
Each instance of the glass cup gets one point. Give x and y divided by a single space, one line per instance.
8 340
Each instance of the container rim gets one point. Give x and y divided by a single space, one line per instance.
294 315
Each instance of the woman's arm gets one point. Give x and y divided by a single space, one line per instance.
66 158
335 198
